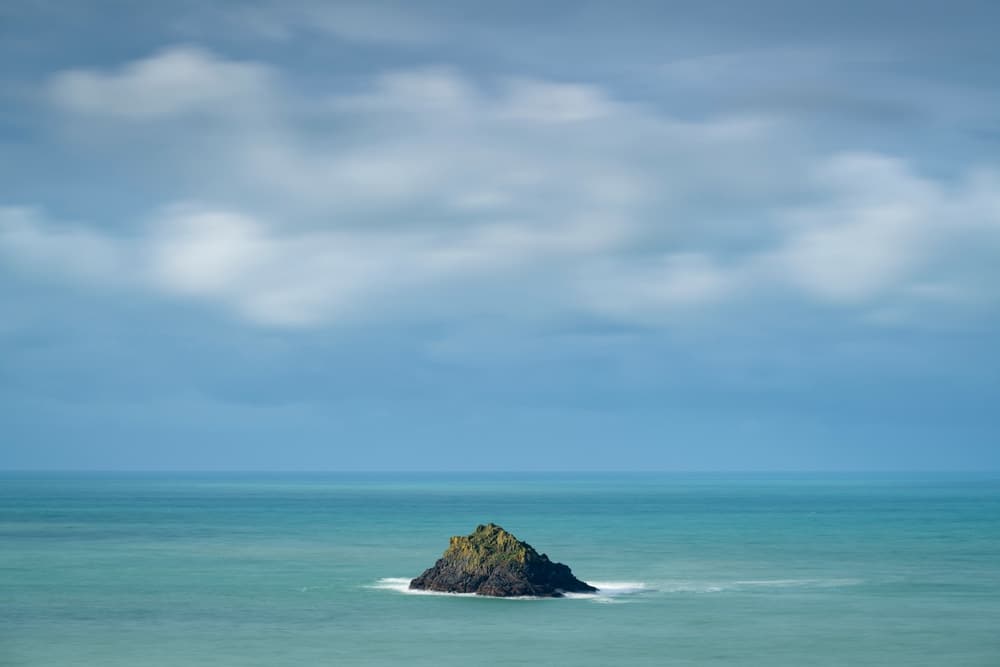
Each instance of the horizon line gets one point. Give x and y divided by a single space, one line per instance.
368 471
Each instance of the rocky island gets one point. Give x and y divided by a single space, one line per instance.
493 562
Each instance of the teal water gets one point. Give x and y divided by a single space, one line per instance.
229 569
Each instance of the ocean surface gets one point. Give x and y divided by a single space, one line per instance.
311 569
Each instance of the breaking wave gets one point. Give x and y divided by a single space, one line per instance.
402 585
608 591
626 591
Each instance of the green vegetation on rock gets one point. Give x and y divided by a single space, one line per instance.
493 562
489 546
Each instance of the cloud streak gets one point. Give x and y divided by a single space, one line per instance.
426 189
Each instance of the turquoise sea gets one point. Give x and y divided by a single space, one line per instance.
309 569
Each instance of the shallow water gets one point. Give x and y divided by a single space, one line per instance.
230 569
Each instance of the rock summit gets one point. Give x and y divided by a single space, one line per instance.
493 562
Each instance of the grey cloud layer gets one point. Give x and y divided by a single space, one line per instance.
423 189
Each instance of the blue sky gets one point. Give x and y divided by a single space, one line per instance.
439 236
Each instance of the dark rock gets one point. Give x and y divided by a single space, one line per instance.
491 561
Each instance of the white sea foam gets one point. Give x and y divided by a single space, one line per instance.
618 587
611 591
608 591
688 586
402 585
624 591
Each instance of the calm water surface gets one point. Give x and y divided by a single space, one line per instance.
236 569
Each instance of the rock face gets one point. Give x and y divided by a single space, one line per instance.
491 561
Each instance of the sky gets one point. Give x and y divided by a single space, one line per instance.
500 236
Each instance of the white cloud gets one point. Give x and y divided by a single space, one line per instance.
881 229
428 188
555 103
432 135
200 252
286 277
421 90
652 290
175 81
